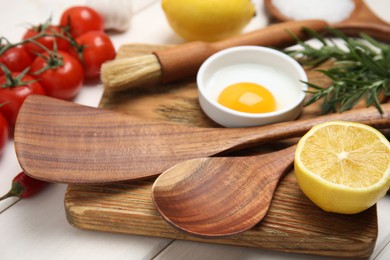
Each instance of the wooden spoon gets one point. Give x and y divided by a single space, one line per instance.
60 141
362 19
220 196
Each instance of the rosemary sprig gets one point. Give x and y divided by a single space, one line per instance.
361 70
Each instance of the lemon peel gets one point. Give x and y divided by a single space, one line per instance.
210 20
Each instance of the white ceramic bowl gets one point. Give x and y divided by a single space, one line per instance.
276 71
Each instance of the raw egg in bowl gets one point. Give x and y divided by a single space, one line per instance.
250 86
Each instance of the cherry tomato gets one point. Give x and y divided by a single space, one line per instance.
13 95
64 77
15 59
95 48
82 19
47 41
4 133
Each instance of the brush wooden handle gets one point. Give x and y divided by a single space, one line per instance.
184 61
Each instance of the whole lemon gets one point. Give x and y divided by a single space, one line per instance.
208 20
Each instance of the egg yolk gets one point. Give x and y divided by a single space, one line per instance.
247 97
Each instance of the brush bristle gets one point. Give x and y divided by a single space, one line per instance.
122 74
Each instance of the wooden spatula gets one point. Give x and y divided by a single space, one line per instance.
59 141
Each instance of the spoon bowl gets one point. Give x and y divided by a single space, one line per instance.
361 19
220 196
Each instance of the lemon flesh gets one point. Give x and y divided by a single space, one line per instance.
343 167
209 20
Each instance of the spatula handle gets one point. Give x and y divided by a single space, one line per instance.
184 60
275 132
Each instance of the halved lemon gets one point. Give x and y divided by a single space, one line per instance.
343 167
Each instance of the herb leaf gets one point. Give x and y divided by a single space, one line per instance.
361 70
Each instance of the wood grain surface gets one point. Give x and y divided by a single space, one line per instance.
292 224
78 144
185 60
220 196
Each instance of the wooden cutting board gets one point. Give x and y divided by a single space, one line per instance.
293 223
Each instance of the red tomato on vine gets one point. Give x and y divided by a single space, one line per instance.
14 89
50 36
4 133
81 19
60 74
15 58
93 49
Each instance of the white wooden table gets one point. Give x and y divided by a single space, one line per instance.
36 228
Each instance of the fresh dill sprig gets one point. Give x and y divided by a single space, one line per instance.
361 70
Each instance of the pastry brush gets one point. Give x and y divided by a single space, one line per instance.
182 61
